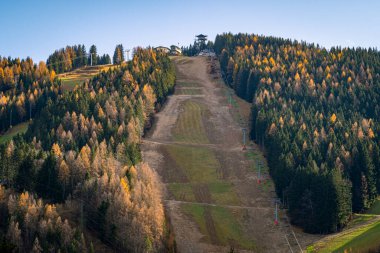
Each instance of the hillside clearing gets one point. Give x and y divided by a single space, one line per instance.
213 197
228 230
17 129
361 237
78 76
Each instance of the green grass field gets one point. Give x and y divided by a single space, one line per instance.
189 126
222 193
203 182
199 164
71 79
360 219
361 235
360 239
182 191
17 129
227 226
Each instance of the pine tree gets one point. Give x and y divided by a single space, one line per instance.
48 184
36 246
93 55
26 175
376 162
118 56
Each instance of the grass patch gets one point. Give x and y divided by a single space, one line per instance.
228 229
188 92
250 155
360 219
362 239
189 126
70 79
187 84
70 83
223 193
182 191
267 185
17 129
199 164
196 212
368 240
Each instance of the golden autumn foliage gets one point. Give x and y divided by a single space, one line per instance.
30 221
311 83
297 77
63 172
371 134
2 193
124 184
133 129
272 129
84 155
56 150
93 145
3 100
281 121
304 146
52 76
272 61
150 99
101 113
333 118
136 209
360 133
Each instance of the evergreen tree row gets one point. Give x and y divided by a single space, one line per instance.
316 112
73 57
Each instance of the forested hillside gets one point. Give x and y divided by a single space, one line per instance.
316 112
73 57
24 89
82 152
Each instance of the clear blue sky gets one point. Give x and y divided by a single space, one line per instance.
36 28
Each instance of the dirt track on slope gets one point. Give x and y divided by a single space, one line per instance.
253 207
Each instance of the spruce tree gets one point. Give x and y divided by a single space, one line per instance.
94 55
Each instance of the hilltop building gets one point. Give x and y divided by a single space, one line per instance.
162 49
174 50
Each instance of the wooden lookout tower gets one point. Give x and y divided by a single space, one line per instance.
201 38
200 42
